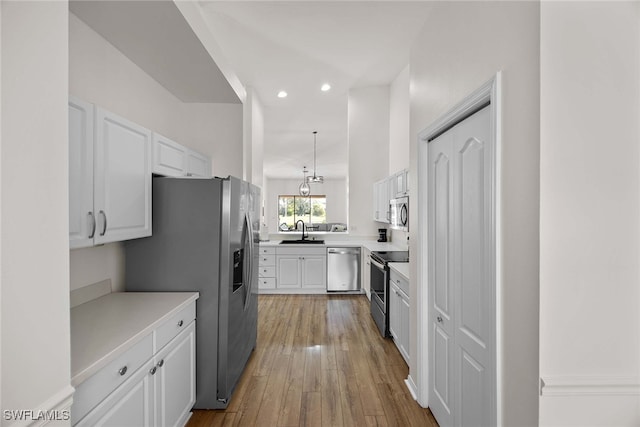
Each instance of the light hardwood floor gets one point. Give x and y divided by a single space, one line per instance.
319 361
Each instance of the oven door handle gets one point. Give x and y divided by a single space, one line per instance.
377 264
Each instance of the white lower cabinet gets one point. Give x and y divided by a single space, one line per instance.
399 304
175 380
366 272
301 268
159 392
267 268
130 404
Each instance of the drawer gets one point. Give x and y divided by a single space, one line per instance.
400 282
267 260
97 387
267 282
174 326
270 250
267 271
315 250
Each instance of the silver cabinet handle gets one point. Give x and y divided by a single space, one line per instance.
439 319
160 363
93 226
104 228
153 371
180 323
122 370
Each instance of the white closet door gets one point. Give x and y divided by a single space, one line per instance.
461 259
441 328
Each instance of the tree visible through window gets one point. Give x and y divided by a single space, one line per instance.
311 209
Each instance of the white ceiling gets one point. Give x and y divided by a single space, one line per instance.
155 36
294 46
297 46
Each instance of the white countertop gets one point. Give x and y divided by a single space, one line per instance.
402 268
106 327
372 245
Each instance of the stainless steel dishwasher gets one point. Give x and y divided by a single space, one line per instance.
343 269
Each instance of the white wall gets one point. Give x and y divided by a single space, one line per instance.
101 74
334 189
254 139
462 45
590 213
214 130
368 115
34 197
399 137
399 122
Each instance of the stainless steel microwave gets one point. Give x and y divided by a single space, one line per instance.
400 213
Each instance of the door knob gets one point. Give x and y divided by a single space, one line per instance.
439 319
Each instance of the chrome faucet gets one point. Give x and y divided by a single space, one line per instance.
303 236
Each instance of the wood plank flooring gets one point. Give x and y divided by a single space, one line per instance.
319 361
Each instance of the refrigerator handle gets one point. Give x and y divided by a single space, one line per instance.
249 284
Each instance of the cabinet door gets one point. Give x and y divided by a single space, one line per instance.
366 272
401 183
81 215
383 201
403 321
131 404
376 204
197 164
122 179
169 157
394 312
288 268
314 271
175 380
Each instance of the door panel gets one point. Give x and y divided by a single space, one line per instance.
471 239
441 386
441 249
473 404
462 316
441 292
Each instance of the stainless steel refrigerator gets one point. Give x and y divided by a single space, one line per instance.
205 239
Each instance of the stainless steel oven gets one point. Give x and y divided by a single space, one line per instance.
380 286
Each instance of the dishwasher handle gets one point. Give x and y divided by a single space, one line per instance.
343 251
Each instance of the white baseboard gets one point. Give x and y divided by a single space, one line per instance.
592 386
412 387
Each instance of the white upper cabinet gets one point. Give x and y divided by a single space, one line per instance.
401 183
392 187
381 200
173 159
169 157
81 216
109 177
198 164
122 179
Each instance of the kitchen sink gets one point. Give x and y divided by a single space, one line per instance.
305 242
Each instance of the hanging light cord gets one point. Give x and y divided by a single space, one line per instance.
315 132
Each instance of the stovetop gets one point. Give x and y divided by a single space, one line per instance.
391 256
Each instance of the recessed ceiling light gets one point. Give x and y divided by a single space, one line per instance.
282 94
325 87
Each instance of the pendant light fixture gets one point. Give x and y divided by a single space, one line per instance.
318 179
304 188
